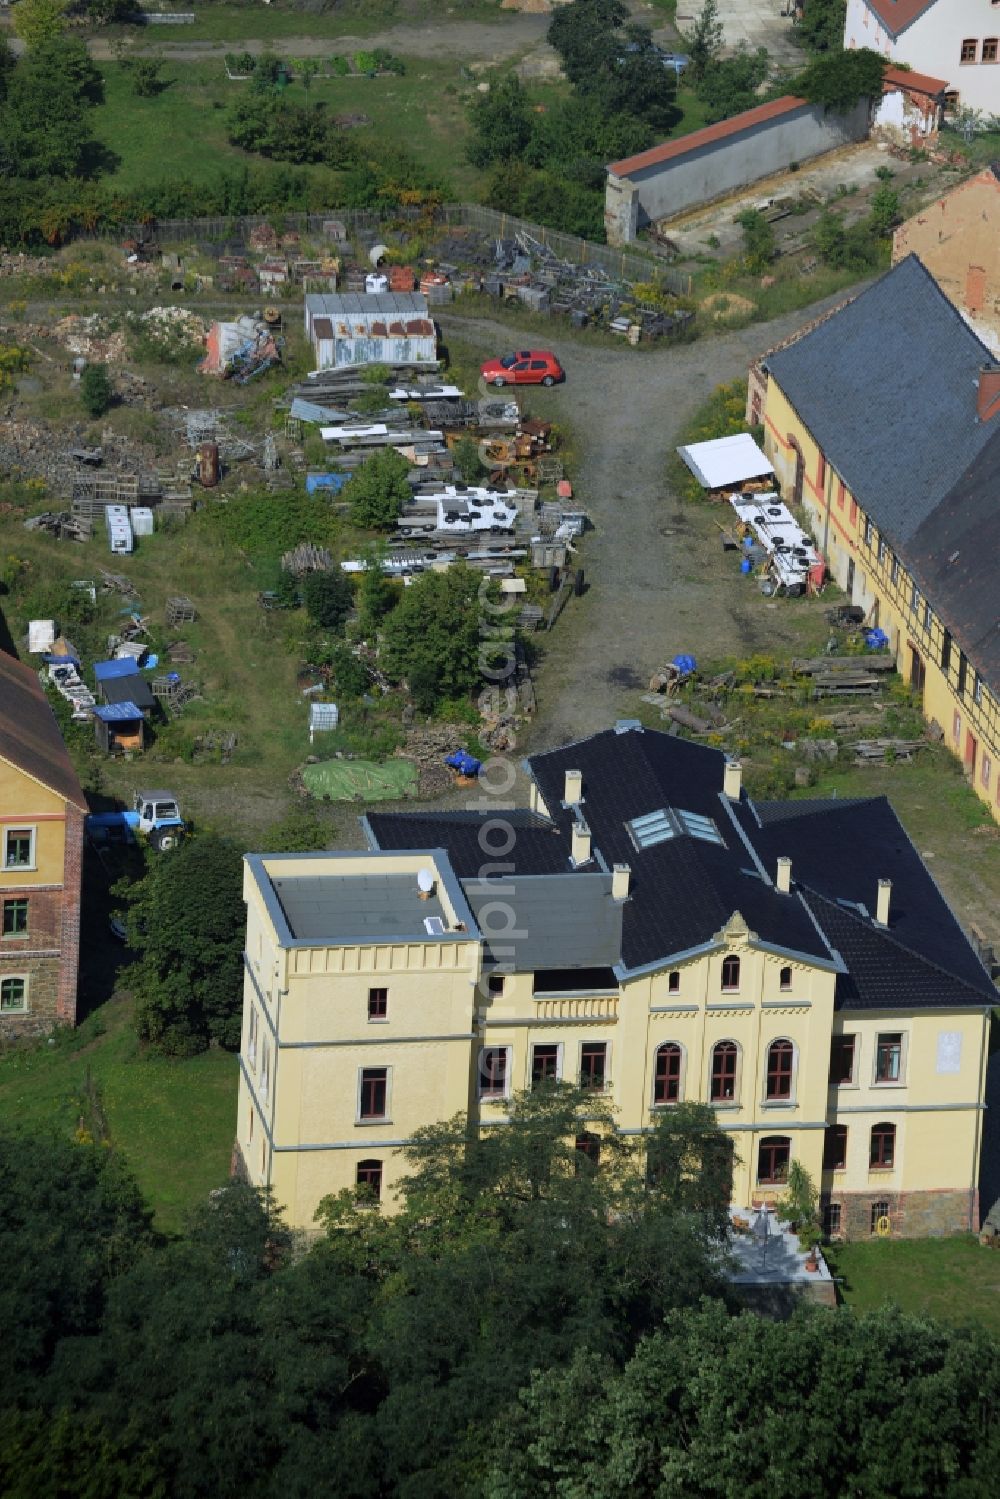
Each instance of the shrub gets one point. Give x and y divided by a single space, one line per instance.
96 390
378 491
328 597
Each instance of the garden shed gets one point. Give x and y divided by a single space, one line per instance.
119 728
384 328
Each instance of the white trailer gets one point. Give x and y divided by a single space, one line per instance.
119 526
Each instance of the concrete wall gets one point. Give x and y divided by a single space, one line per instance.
933 45
958 239
720 167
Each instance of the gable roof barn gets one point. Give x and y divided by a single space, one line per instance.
29 735
888 386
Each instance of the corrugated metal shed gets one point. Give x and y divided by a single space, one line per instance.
358 328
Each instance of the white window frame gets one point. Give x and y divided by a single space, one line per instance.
18 830
904 1060
25 979
681 1082
385 1118
491 1097
607 1065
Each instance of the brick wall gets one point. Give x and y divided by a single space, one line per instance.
69 906
912 1215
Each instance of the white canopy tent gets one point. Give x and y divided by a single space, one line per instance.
726 462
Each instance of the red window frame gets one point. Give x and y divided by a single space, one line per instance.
378 1004
374 1092
773 1156
588 1151
368 1180
730 974
780 1063
667 1073
835 1147
594 1065
724 1059
544 1064
842 1048
493 1072
882 1152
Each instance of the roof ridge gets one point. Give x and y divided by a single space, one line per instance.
885 935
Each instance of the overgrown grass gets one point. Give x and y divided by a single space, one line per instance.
349 18
955 1280
172 1120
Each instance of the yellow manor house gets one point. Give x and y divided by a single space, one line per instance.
647 931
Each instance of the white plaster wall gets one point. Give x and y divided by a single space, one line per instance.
933 45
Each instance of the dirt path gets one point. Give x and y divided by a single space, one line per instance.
481 41
654 584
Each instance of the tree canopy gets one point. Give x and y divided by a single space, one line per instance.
838 80
187 920
431 639
377 492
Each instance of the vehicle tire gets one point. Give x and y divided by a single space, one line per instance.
163 839
499 382
549 380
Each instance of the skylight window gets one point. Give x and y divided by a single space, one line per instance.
434 926
657 827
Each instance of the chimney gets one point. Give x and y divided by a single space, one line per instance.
621 878
581 843
783 883
988 392
882 903
573 791
732 780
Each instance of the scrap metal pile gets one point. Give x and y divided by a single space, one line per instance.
526 269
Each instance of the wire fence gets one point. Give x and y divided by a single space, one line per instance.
351 223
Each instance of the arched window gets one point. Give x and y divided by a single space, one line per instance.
773 1156
725 1055
368 1179
730 973
785 978
780 1058
882 1156
588 1152
667 1073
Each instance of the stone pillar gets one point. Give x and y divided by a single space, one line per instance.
621 210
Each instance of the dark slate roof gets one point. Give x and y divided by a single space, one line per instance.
839 853
29 734
684 890
538 847
887 386
128 689
947 556
555 921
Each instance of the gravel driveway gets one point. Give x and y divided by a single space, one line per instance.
656 582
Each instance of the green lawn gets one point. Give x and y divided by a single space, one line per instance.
353 18
956 1280
424 111
172 1120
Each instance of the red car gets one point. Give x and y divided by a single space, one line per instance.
526 367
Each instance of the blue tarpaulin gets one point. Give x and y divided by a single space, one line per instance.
117 712
124 667
464 763
685 664
876 640
335 482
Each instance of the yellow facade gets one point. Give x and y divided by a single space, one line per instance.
26 803
310 1041
861 560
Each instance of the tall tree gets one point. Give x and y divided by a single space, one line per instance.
501 122
187 920
378 490
40 21
822 26
432 637
705 41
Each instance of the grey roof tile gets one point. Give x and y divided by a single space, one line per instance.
887 387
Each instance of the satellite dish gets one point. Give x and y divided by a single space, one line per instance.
425 881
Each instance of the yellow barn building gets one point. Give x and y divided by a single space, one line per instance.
883 420
644 930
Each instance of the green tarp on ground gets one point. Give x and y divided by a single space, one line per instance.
345 780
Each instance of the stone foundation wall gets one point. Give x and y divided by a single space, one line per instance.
42 1014
912 1215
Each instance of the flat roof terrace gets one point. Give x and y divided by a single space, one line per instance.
370 907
